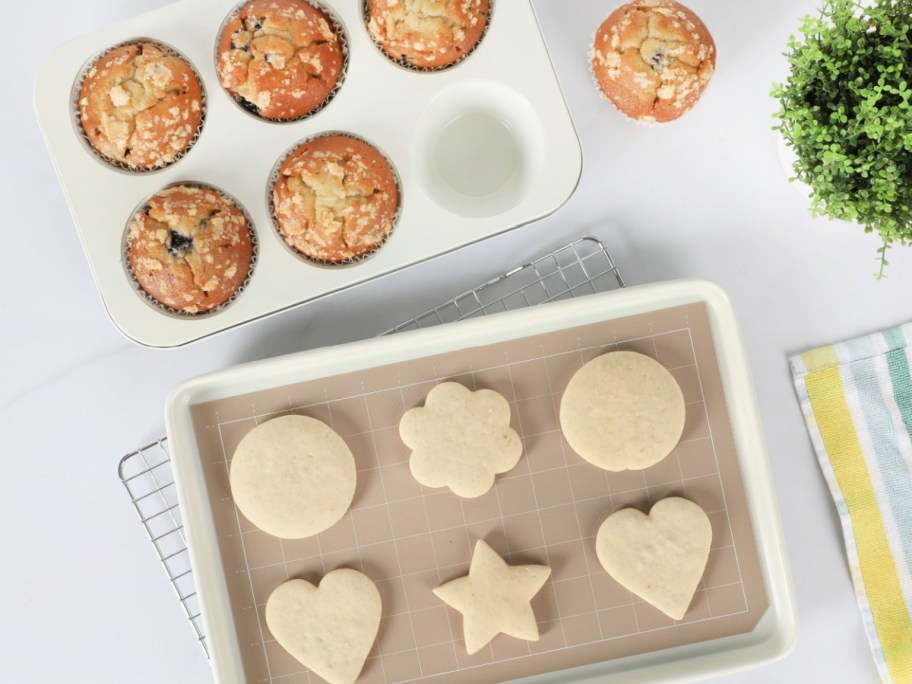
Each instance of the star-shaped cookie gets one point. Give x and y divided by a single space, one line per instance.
495 598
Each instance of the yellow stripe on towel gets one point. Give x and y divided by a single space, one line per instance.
878 570
824 357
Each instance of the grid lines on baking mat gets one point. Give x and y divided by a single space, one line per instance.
410 539
583 266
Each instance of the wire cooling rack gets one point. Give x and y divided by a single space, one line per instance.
581 267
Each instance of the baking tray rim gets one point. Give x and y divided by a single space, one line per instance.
771 639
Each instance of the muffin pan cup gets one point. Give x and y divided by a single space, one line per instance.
164 308
365 17
274 220
424 122
339 29
77 117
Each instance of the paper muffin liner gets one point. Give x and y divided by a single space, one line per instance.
270 188
248 107
365 16
77 116
645 123
152 301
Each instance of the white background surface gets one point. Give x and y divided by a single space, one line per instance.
82 598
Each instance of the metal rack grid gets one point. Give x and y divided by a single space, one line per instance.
147 475
579 268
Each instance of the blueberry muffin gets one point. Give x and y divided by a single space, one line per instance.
190 248
335 198
281 59
427 33
141 105
652 59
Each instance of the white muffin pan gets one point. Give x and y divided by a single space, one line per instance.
480 148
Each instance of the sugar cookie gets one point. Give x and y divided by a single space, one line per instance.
622 411
293 477
660 557
460 439
495 598
330 628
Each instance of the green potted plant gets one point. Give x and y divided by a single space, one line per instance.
845 112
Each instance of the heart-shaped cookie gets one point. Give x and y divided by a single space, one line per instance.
660 557
329 629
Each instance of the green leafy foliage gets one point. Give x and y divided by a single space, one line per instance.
845 110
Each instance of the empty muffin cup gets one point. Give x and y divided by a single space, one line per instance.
476 148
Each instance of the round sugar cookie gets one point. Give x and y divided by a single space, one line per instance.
622 411
293 477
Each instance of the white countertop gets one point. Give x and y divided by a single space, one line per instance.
83 598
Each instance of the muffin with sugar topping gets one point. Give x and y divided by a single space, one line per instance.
190 248
427 34
335 198
141 105
652 59
281 59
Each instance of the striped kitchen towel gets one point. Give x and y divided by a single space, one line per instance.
857 400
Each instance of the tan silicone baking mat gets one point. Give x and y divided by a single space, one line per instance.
408 538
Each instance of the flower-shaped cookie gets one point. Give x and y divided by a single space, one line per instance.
460 439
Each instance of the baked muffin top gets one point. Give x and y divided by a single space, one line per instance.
335 198
653 58
190 248
427 33
281 58
141 105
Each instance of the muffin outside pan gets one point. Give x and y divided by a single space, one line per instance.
427 35
139 105
190 249
652 59
281 60
334 198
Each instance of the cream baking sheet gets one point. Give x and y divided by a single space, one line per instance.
409 538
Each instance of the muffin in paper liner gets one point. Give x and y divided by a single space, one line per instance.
677 44
400 60
378 175
308 96
174 123
166 255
